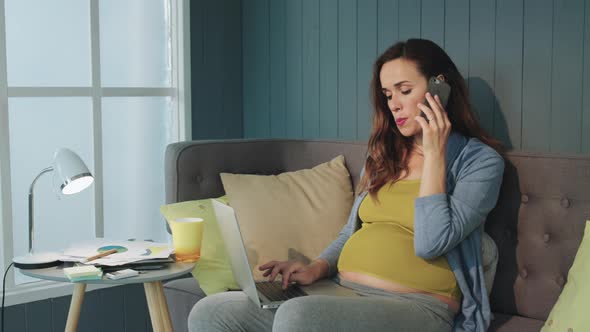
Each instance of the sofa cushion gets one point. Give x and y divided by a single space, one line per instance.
538 225
290 215
181 295
213 269
509 323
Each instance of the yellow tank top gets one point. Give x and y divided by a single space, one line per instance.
384 245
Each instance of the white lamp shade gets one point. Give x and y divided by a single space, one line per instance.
72 176
71 172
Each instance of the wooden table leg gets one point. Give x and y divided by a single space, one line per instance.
75 307
150 295
164 312
157 306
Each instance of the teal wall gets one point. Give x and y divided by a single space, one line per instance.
115 309
216 68
306 65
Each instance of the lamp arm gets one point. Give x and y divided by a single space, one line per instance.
31 214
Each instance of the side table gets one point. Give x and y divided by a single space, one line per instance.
152 283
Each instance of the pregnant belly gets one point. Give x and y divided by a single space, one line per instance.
382 256
391 286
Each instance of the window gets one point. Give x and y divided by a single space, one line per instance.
104 78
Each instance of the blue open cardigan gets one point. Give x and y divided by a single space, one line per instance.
451 224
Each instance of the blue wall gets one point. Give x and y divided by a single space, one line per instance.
115 309
216 68
307 65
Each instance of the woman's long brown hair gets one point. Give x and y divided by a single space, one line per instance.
388 149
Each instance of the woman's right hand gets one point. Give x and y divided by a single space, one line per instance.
295 271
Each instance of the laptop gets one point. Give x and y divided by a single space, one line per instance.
265 294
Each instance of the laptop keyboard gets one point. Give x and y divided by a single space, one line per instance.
274 292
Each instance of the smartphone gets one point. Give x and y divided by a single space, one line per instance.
440 88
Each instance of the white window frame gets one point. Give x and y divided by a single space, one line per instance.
180 91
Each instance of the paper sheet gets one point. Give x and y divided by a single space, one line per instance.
128 251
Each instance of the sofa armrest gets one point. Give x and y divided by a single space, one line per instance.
181 295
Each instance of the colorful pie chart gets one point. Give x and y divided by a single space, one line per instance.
107 248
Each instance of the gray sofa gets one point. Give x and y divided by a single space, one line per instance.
537 224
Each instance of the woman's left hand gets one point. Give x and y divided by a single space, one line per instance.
435 131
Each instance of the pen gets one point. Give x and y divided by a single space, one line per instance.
102 254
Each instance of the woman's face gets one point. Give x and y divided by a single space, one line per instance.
404 87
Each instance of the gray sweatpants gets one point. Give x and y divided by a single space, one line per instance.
375 310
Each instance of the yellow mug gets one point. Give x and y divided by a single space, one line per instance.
187 234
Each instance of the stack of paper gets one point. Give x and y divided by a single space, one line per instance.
127 252
81 273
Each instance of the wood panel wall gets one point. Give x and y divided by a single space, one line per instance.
216 68
116 309
307 65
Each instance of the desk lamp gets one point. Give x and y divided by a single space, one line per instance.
72 176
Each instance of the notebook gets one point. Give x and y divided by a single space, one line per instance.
82 273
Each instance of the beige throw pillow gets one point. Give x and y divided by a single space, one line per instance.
290 215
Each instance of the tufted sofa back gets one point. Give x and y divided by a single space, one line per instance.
537 224
192 168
